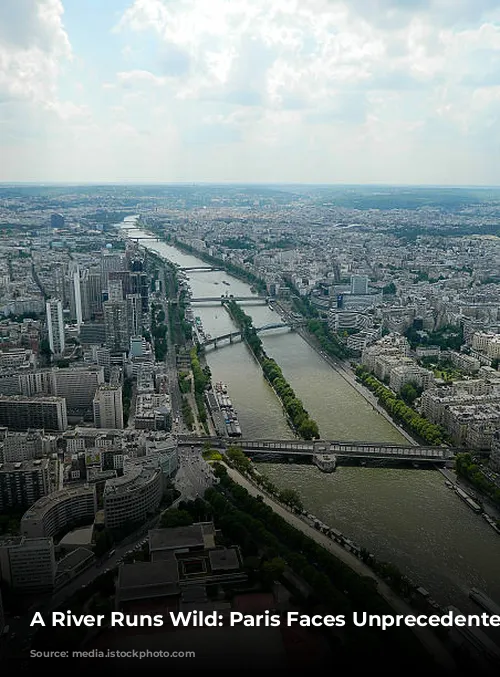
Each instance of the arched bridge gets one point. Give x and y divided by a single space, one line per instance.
231 336
361 450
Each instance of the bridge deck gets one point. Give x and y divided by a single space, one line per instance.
358 449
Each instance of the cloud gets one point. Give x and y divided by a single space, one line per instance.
308 89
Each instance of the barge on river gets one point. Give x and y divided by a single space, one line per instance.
227 410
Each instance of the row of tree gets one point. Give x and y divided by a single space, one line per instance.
401 412
201 379
327 339
289 497
467 467
302 423
252 524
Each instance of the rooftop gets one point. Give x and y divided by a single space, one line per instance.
45 503
193 536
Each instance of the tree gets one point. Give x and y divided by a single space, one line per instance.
273 569
291 498
175 518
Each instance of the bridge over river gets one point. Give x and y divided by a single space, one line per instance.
347 450
226 299
231 336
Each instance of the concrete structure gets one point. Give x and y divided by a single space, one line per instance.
108 407
22 413
194 538
116 325
28 564
359 284
153 412
76 295
134 314
132 498
362 450
495 452
27 446
184 561
23 483
55 326
73 564
60 511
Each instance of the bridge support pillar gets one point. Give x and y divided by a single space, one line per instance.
215 344
230 338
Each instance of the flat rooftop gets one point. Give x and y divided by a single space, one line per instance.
193 536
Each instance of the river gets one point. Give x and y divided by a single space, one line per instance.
407 517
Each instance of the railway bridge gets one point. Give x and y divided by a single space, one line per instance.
341 450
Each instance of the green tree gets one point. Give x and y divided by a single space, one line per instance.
175 518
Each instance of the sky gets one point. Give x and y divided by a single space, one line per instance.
278 91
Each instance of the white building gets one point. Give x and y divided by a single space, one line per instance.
55 326
359 284
108 407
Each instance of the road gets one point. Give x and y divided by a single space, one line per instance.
426 637
194 475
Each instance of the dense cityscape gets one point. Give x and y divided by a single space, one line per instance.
122 437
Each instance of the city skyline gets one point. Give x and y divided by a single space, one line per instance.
153 92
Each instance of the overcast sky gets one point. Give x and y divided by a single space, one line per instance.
312 91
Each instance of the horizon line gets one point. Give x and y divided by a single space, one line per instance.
243 183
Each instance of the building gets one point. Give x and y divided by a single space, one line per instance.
60 512
184 560
78 386
359 284
409 372
134 314
116 325
193 538
22 413
131 499
28 564
164 452
153 412
57 221
23 483
76 296
27 446
55 326
108 407
137 346
93 334
92 293
495 452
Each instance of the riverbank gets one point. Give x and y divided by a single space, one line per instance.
427 638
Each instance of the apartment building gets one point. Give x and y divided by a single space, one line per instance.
23 483
28 564
22 413
132 498
60 511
